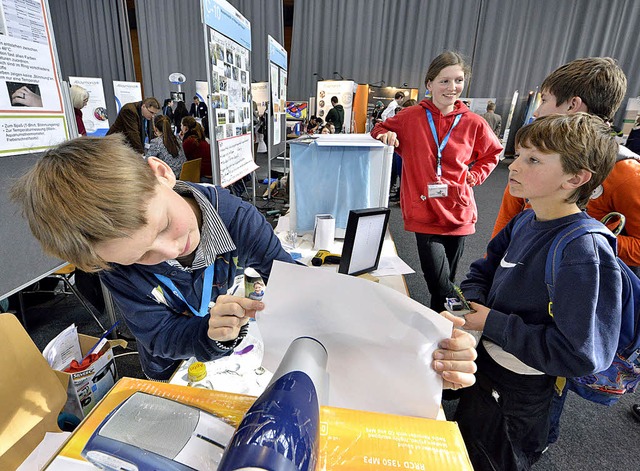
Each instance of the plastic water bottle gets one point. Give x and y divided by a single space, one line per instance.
197 374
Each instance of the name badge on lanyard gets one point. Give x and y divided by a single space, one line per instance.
207 287
438 189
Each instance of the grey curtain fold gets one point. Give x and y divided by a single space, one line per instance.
520 42
93 40
512 44
373 40
171 37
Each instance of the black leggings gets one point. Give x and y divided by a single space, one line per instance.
439 257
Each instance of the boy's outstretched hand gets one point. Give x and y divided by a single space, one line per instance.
476 320
454 360
229 314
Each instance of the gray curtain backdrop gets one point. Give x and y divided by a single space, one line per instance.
171 37
92 39
512 44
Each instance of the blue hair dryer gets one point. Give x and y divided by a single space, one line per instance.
280 431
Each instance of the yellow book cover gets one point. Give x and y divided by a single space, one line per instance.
349 439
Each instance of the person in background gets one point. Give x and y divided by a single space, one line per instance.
314 124
166 146
135 122
376 114
327 129
179 113
195 146
396 164
633 141
335 115
595 85
167 109
527 342
390 110
79 99
198 109
494 119
446 150
130 220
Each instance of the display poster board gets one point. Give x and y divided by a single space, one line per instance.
94 114
533 101
34 111
126 92
228 36
202 91
479 105
260 96
507 126
277 87
32 115
631 113
385 95
344 91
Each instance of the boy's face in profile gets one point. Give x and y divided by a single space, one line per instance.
171 231
536 175
548 105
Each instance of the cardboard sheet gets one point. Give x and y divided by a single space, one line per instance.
380 342
31 394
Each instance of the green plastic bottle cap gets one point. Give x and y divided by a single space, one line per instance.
197 371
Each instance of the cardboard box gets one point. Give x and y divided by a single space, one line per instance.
350 440
32 394
85 388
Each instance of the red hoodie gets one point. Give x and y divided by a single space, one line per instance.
472 144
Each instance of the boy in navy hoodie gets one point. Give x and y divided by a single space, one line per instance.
166 250
527 342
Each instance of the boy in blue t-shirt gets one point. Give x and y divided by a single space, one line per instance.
525 346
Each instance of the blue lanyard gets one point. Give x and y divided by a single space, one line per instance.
206 291
439 146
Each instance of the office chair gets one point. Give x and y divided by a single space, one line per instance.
191 171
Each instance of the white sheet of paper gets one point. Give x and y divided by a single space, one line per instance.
380 342
390 265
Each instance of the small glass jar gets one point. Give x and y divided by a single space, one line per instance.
197 374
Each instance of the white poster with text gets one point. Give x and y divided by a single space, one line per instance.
31 108
126 92
236 159
94 114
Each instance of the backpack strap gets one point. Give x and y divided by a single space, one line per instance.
567 235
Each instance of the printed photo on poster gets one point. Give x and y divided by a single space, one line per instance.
24 94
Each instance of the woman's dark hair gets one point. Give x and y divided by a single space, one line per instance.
193 128
162 124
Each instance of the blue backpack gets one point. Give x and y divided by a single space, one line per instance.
623 376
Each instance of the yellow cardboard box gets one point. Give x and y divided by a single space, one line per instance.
349 439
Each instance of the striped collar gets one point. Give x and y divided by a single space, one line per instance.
214 236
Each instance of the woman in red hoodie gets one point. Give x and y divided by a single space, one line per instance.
446 149
196 146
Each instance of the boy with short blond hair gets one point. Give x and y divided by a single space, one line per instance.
166 250
97 204
504 418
